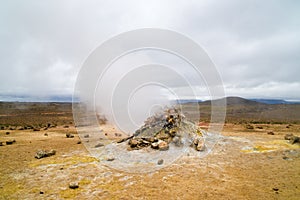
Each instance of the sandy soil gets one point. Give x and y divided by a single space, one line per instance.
245 164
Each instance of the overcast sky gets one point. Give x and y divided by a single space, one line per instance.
254 44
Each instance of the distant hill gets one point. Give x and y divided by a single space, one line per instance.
232 101
244 110
275 101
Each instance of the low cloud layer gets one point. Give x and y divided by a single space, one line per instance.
254 44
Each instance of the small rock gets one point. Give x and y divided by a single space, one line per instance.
292 138
86 136
10 142
99 145
249 126
46 134
43 153
154 145
66 126
200 146
163 146
69 135
79 142
271 133
133 143
160 162
110 158
41 192
36 129
177 141
288 136
276 189
7 133
286 158
1 143
73 185
295 139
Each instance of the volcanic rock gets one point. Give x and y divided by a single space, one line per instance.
73 185
43 153
163 146
69 135
160 162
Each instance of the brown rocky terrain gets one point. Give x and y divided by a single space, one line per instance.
252 159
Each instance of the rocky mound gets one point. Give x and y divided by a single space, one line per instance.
165 128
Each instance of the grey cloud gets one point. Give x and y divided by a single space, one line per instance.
254 44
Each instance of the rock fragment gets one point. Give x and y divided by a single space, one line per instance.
163 146
43 153
160 161
199 144
99 145
73 185
69 135
10 142
292 138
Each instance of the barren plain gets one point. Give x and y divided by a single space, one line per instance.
252 160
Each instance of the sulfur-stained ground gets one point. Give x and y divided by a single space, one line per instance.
245 164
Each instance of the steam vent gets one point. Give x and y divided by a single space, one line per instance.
166 128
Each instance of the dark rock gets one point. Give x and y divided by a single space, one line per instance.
66 126
79 142
46 134
99 145
43 153
110 158
295 139
7 133
1 144
41 192
154 145
133 143
276 189
73 185
124 139
10 142
36 129
288 136
271 133
249 126
69 135
292 138
160 162
286 158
